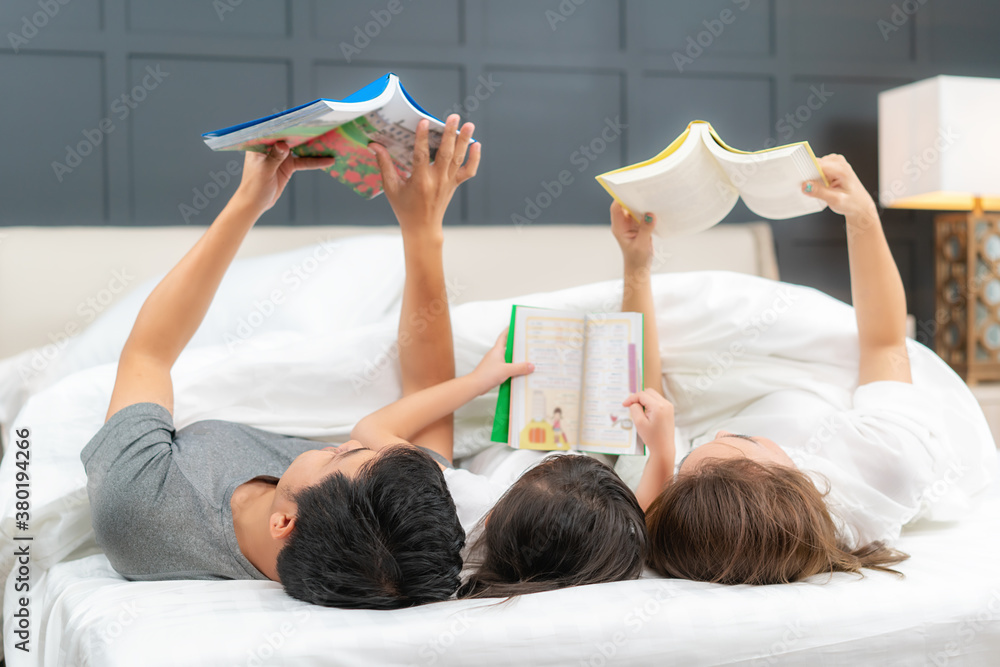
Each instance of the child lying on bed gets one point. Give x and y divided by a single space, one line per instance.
338 526
744 508
568 520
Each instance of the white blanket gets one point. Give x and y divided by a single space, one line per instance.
319 384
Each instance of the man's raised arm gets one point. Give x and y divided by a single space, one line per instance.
176 307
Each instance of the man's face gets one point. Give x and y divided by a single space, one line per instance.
312 467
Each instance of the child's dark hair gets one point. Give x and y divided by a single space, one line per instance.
569 521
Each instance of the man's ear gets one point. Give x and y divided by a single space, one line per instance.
281 525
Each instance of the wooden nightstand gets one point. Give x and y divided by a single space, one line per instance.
988 395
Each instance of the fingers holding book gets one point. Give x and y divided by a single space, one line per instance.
845 194
634 237
425 195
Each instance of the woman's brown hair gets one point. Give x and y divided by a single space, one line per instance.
569 521
737 521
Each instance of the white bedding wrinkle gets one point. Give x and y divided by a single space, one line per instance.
732 346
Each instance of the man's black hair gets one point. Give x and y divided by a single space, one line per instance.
388 538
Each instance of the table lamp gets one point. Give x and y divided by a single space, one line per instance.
939 149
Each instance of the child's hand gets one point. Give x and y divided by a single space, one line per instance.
265 175
634 237
494 369
422 199
653 416
845 194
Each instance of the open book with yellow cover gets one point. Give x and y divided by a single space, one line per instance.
697 180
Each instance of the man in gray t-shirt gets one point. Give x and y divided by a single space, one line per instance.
347 526
191 474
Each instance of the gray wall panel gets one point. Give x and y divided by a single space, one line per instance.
552 91
730 27
371 26
566 112
848 30
248 18
553 25
963 33
54 171
28 20
168 159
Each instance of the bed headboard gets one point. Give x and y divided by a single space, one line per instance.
47 274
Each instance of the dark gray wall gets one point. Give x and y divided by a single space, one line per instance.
561 71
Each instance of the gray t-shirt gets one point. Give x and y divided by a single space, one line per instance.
160 499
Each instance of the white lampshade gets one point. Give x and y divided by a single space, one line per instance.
939 144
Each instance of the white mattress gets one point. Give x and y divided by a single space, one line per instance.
945 612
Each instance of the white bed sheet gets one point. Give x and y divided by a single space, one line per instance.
311 390
945 612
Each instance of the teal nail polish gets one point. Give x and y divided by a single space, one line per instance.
648 218
809 187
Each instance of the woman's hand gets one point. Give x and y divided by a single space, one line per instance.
422 199
265 175
494 369
653 416
845 194
635 238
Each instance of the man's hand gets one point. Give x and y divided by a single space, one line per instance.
845 194
634 237
653 416
494 369
421 200
265 175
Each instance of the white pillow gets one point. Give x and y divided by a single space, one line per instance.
326 287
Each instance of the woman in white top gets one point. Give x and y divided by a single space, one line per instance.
745 509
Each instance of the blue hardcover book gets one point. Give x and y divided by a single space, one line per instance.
382 111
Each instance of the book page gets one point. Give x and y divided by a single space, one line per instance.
688 190
770 182
545 404
612 371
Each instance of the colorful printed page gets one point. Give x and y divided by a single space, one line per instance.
612 370
545 404
585 366
342 129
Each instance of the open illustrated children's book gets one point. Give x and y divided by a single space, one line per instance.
382 111
696 181
585 366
